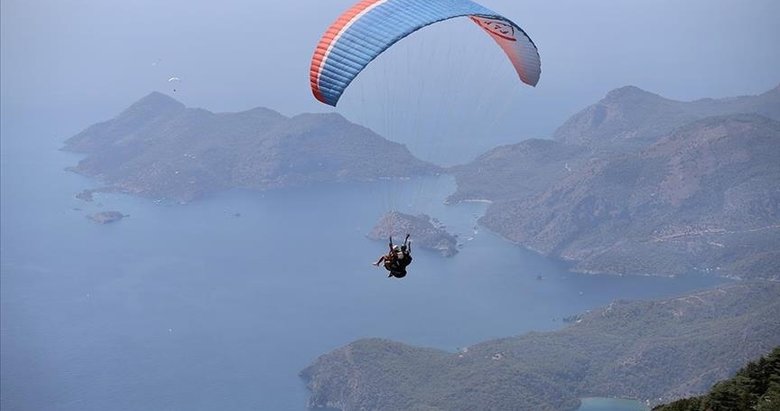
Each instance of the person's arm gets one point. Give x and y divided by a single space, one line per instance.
408 244
391 244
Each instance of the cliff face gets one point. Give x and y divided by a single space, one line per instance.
159 148
644 350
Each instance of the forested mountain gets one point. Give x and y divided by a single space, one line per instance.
677 198
756 387
648 350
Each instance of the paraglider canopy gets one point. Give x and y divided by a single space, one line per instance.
174 81
371 26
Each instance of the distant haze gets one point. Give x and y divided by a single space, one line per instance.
214 305
89 59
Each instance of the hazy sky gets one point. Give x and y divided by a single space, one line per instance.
91 58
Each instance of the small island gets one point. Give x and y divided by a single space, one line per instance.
105 217
86 195
426 232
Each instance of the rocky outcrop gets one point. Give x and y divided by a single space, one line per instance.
426 233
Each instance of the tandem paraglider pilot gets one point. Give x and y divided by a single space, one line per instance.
397 258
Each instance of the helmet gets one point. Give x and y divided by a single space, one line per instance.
397 248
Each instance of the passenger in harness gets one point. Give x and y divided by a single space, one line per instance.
397 258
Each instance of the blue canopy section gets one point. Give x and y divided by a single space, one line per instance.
372 26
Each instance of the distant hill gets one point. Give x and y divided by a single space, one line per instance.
756 387
654 351
159 148
678 191
630 118
515 171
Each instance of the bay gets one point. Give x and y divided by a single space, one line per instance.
220 303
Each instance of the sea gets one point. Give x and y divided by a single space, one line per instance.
220 303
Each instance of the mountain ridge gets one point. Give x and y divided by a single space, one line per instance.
700 197
629 118
161 149
690 202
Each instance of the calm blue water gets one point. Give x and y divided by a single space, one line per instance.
611 404
189 307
